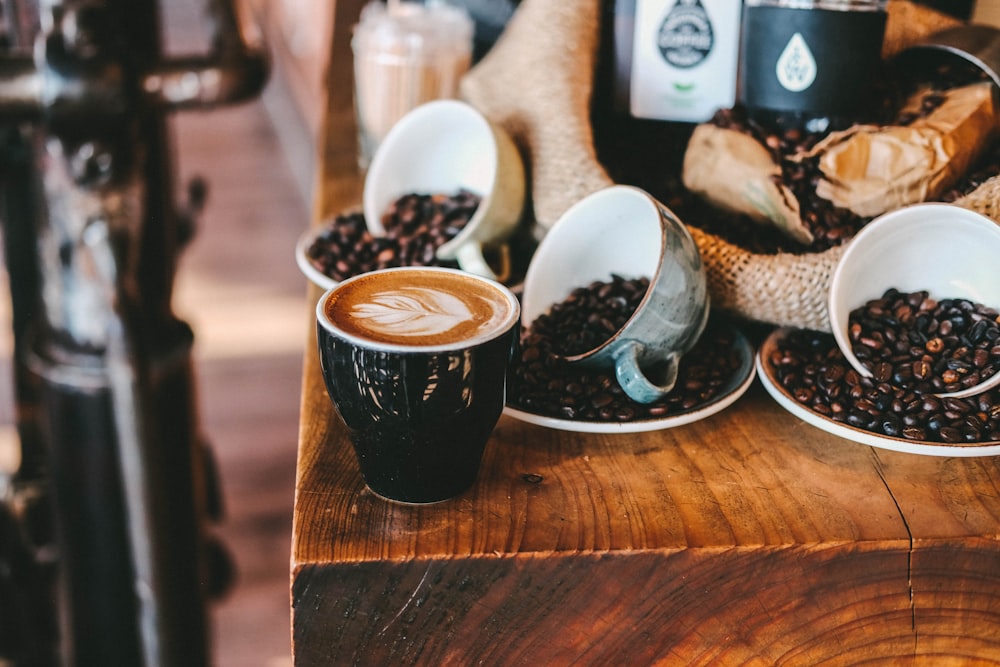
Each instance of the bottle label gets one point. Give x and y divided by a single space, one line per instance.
684 58
685 37
796 68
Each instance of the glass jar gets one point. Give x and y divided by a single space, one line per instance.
405 54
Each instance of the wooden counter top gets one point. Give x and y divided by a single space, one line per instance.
749 537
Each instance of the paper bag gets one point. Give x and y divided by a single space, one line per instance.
870 170
866 169
736 173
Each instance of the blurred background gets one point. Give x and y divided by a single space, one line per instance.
239 289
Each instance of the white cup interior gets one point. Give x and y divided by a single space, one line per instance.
616 230
950 251
439 147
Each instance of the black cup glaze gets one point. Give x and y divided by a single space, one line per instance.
419 421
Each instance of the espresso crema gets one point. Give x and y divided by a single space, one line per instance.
420 307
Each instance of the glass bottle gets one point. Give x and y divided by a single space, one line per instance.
663 66
675 60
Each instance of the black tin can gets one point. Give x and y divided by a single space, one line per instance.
810 64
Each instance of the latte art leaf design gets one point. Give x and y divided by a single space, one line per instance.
413 311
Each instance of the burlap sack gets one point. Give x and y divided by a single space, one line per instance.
537 83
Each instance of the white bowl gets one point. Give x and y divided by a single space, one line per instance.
441 147
950 251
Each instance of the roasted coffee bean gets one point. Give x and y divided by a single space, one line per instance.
622 152
590 315
416 225
956 358
803 358
543 382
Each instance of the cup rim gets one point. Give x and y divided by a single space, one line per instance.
975 43
536 305
512 320
580 208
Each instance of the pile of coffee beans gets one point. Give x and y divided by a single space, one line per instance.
810 366
591 315
416 225
543 382
930 346
829 225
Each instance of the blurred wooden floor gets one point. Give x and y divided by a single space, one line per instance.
240 289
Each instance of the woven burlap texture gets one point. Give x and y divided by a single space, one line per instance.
537 83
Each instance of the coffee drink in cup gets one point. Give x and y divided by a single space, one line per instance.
421 308
415 361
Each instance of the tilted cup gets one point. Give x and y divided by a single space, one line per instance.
415 361
949 251
442 147
624 231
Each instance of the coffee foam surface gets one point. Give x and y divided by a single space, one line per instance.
419 308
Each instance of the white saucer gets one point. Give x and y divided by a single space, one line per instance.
738 384
305 265
785 400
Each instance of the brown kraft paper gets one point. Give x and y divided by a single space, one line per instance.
870 170
736 173
866 169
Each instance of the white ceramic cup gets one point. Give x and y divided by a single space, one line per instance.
623 230
950 251
439 148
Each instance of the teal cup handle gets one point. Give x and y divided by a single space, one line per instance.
634 381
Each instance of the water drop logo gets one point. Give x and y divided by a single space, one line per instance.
685 37
412 311
796 68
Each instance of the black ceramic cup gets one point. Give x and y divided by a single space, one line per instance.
415 361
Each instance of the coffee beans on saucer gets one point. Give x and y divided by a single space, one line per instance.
416 225
810 367
544 383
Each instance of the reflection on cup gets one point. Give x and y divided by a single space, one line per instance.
623 231
415 361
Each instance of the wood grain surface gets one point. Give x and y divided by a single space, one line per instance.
748 538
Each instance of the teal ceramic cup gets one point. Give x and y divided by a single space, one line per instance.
623 230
